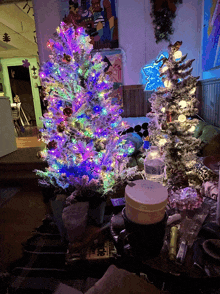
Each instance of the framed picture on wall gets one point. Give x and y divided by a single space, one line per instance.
113 59
211 35
99 18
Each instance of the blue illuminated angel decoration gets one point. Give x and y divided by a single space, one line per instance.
150 74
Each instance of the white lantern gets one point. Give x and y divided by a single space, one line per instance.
181 118
177 54
182 103
168 84
163 109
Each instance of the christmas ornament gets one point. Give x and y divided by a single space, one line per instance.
6 38
192 129
50 44
163 69
61 127
67 111
52 145
66 58
163 109
167 84
192 91
97 109
182 103
169 117
181 118
178 54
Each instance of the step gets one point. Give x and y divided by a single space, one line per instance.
45 244
19 178
40 272
32 284
21 166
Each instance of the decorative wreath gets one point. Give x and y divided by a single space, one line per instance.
163 12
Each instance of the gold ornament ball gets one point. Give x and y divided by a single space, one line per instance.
181 118
168 84
192 129
50 114
182 103
177 54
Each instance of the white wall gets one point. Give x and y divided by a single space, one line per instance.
136 35
48 15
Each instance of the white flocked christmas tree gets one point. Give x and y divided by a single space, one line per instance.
171 127
82 127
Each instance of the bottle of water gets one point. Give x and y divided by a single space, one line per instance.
154 165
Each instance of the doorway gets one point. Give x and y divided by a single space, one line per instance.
21 86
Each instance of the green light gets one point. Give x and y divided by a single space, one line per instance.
130 150
96 160
104 111
55 166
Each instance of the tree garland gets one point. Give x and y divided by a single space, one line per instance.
163 14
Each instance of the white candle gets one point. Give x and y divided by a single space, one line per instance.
218 200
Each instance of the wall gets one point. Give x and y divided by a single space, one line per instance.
48 15
211 70
136 35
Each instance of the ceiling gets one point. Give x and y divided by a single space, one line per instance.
20 26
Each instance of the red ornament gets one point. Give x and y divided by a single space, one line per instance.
61 127
50 45
67 111
169 117
52 145
66 58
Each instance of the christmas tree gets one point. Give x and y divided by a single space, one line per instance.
81 127
171 127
